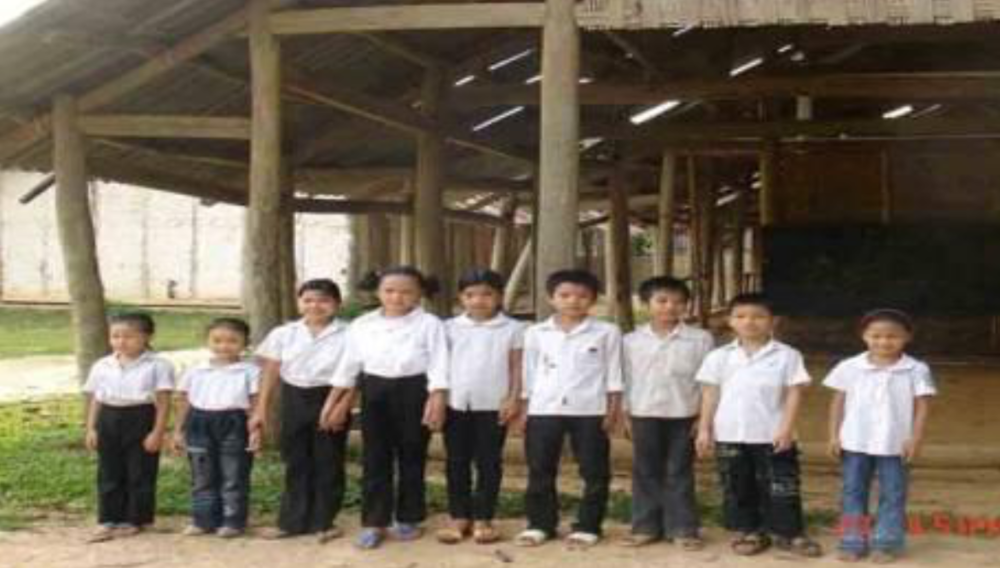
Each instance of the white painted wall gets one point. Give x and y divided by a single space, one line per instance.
153 246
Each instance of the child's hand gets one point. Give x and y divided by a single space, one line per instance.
336 418
519 423
254 441
434 411
627 427
509 411
833 448
258 421
178 443
611 423
783 441
153 442
911 450
704 444
90 439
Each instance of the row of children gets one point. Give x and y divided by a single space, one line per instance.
482 374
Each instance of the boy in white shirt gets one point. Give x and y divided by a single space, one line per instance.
877 419
662 402
573 386
751 394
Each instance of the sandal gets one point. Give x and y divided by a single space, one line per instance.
691 543
103 533
369 539
531 538
800 545
454 533
332 533
884 557
126 531
579 540
274 533
750 544
637 540
406 531
194 530
850 556
485 533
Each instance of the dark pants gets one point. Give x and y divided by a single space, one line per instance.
220 468
761 492
663 495
393 440
474 438
314 463
543 444
126 472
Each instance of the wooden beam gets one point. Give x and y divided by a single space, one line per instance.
261 251
408 17
159 126
357 207
404 51
666 209
193 46
559 167
76 234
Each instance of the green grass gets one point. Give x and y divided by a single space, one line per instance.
45 471
48 331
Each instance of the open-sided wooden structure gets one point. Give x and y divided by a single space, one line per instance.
464 121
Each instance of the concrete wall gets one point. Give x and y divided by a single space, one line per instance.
153 246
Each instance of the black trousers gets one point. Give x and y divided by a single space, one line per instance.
314 463
474 438
126 472
591 447
761 489
663 489
394 440
220 467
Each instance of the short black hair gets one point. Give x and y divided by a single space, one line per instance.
758 299
663 284
481 276
428 284
577 276
140 321
232 324
898 317
324 286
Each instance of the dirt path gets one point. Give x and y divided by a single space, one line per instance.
63 546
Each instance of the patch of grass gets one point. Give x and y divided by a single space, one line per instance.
45 469
48 331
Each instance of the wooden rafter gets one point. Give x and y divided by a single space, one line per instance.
408 17
159 126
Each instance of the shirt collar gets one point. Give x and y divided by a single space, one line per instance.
550 324
771 345
142 358
496 321
679 330
905 363
334 326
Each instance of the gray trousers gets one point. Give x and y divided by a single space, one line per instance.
663 490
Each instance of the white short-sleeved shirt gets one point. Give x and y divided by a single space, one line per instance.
660 370
307 361
480 360
878 410
571 373
132 384
395 347
751 389
221 387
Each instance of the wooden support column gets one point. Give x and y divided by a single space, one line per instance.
663 260
694 233
360 263
502 238
428 205
518 275
709 244
739 244
620 253
76 234
587 244
560 154
262 291
768 175
379 241
288 278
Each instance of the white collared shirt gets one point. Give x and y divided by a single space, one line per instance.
751 389
480 360
132 384
395 347
878 410
221 387
307 361
571 373
660 370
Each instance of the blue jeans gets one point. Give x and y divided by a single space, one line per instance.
220 468
888 532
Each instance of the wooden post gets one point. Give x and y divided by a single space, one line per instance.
502 236
359 263
262 291
428 205
768 175
560 154
694 232
517 277
663 260
288 278
739 243
620 252
76 234
379 241
406 256
587 244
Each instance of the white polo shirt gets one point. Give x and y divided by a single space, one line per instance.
395 347
221 387
307 361
751 389
572 373
480 360
660 370
878 410
131 384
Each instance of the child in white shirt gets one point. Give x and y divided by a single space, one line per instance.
217 398
877 420
129 404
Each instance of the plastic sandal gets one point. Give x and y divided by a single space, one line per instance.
800 545
636 540
405 531
452 534
485 534
751 544
332 533
691 543
369 539
580 539
531 538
